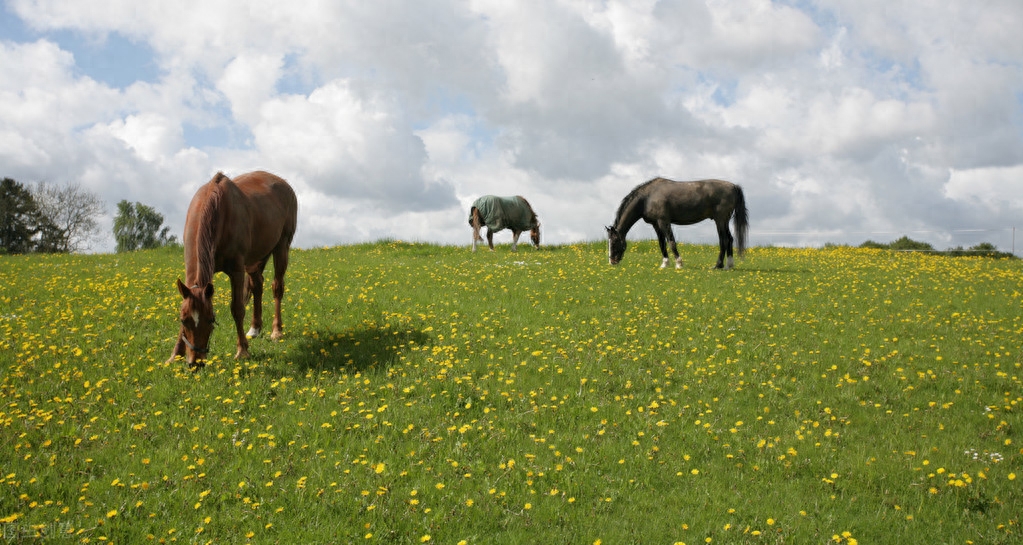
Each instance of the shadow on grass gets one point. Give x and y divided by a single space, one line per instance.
368 348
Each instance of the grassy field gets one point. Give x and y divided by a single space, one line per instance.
425 394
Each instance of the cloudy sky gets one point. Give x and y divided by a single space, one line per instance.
842 119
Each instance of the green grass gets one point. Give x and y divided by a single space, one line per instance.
428 394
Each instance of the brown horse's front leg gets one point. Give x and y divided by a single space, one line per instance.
255 283
179 347
238 279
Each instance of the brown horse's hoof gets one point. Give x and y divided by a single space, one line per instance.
277 335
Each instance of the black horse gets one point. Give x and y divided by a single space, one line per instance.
662 202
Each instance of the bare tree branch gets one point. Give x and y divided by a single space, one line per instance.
74 211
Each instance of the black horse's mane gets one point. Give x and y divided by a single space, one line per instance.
633 195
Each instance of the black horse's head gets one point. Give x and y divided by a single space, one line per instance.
615 245
197 320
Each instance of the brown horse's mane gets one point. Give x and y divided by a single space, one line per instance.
632 196
207 221
536 219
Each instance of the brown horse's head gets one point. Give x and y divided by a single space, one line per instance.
534 233
197 320
615 246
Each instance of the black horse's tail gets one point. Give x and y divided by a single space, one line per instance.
741 219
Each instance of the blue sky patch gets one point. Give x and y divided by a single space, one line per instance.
114 60
296 79
111 58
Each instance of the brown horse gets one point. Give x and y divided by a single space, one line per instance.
498 213
234 227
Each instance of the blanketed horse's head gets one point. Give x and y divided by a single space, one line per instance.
197 320
615 246
534 233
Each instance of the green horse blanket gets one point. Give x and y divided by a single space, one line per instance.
504 213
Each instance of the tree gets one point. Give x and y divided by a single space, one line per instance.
903 243
23 227
137 227
906 243
73 211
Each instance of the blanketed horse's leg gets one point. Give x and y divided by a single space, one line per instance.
280 267
255 283
515 240
238 279
475 228
490 239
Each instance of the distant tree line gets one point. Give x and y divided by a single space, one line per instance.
52 219
907 244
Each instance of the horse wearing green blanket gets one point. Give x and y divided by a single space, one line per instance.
499 213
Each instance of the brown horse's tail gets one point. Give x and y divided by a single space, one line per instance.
741 219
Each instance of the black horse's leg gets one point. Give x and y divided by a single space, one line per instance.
731 261
724 245
670 235
662 242
664 236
